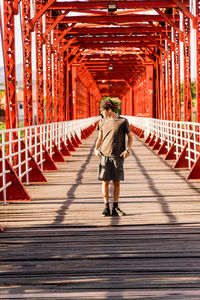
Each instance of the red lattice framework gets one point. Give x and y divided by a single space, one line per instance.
198 59
187 71
49 87
10 10
87 57
26 38
39 64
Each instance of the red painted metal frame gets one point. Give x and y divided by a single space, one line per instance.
9 50
62 104
153 46
187 72
56 77
169 79
49 87
39 65
198 60
27 62
177 88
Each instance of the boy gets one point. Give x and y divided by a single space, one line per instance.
111 150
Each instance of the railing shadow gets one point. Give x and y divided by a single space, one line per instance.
71 193
152 186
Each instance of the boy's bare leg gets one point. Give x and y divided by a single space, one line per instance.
116 184
116 211
105 191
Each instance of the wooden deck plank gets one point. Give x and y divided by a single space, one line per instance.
58 246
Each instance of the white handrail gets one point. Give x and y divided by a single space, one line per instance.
180 134
15 145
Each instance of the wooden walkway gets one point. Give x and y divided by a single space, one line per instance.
59 247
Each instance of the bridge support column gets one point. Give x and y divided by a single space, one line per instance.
187 97
198 60
9 64
39 65
177 88
74 95
49 87
27 63
169 78
55 76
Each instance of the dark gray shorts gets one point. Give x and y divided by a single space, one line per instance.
111 168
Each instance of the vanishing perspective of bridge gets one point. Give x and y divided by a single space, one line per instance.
145 54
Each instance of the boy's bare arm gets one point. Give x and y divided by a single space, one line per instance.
126 153
130 141
98 144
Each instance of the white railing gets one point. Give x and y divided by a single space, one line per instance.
16 144
179 134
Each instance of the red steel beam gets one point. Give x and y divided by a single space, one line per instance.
49 78
62 103
117 19
187 71
124 30
39 65
9 50
115 39
104 4
169 82
56 22
170 21
187 13
177 88
43 9
27 63
115 45
198 60
63 34
56 77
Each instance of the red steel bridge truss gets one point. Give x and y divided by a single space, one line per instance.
125 49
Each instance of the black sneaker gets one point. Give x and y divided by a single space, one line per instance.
106 212
117 212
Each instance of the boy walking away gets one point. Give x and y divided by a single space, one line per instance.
111 150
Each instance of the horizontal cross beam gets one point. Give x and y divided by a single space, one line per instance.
115 19
104 4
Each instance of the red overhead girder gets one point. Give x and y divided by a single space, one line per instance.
104 4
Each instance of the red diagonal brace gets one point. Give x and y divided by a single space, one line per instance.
152 141
35 175
57 156
163 148
171 153
74 142
64 149
77 139
70 145
182 162
16 190
148 139
141 136
48 164
157 144
195 170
